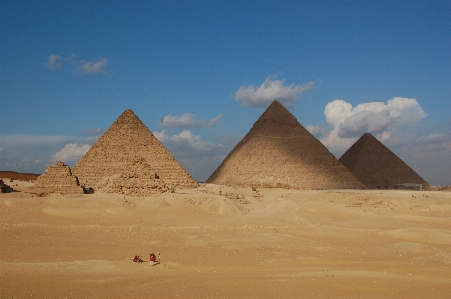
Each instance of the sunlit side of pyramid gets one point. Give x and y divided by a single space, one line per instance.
127 139
280 152
376 166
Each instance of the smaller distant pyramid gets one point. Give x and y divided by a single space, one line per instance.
138 179
279 152
57 178
126 139
378 167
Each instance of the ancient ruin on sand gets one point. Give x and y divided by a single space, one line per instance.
138 179
57 178
5 188
378 167
280 152
125 141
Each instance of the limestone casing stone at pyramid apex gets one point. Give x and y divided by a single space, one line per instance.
126 138
280 152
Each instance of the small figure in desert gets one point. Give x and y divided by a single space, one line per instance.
159 258
152 259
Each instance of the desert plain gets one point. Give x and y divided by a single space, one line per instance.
223 242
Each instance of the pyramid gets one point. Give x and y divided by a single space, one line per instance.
376 166
280 152
57 178
126 139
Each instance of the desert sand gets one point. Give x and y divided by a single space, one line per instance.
223 242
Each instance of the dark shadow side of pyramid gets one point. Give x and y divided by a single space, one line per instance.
127 139
280 152
378 167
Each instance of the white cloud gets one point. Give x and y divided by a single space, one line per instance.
92 67
406 110
161 135
54 62
365 121
188 120
384 120
186 139
269 91
93 131
70 152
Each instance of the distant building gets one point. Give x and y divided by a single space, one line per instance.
409 186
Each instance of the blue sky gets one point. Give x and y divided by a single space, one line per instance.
200 73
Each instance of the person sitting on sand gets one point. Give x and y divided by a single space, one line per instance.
152 259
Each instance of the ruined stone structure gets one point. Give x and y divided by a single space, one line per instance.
57 178
280 152
378 167
138 179
126 139
5 188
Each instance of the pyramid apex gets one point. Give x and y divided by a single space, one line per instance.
278 113
366 138
367 135
128 116
128 112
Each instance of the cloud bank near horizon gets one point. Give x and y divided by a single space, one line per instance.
34 153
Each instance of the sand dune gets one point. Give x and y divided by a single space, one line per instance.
223 242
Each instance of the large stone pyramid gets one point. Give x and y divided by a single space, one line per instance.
378 167
280 152
127 139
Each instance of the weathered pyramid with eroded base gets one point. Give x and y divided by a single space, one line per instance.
127 139
57 178
280 152
376 166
